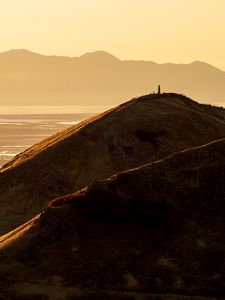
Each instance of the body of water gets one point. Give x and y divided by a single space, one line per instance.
22 127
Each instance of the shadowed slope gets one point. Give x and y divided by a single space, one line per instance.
154 230
138 132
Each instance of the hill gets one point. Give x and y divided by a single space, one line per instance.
139 131
154 232
99 78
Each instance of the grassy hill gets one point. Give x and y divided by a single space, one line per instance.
154 232
142 130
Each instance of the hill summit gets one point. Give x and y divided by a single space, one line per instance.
135 133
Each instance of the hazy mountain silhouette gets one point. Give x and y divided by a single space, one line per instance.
99 78
137 132
155 232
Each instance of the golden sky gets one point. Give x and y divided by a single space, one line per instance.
159 30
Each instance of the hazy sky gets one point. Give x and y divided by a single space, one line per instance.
159 30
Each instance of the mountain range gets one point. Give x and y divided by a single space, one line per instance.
99 78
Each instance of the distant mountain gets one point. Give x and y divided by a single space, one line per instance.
155 232
99 78
137 132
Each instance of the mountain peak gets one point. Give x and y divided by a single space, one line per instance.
21 51
202 64
99 55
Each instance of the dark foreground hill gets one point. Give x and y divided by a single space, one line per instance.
155 232
140 131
